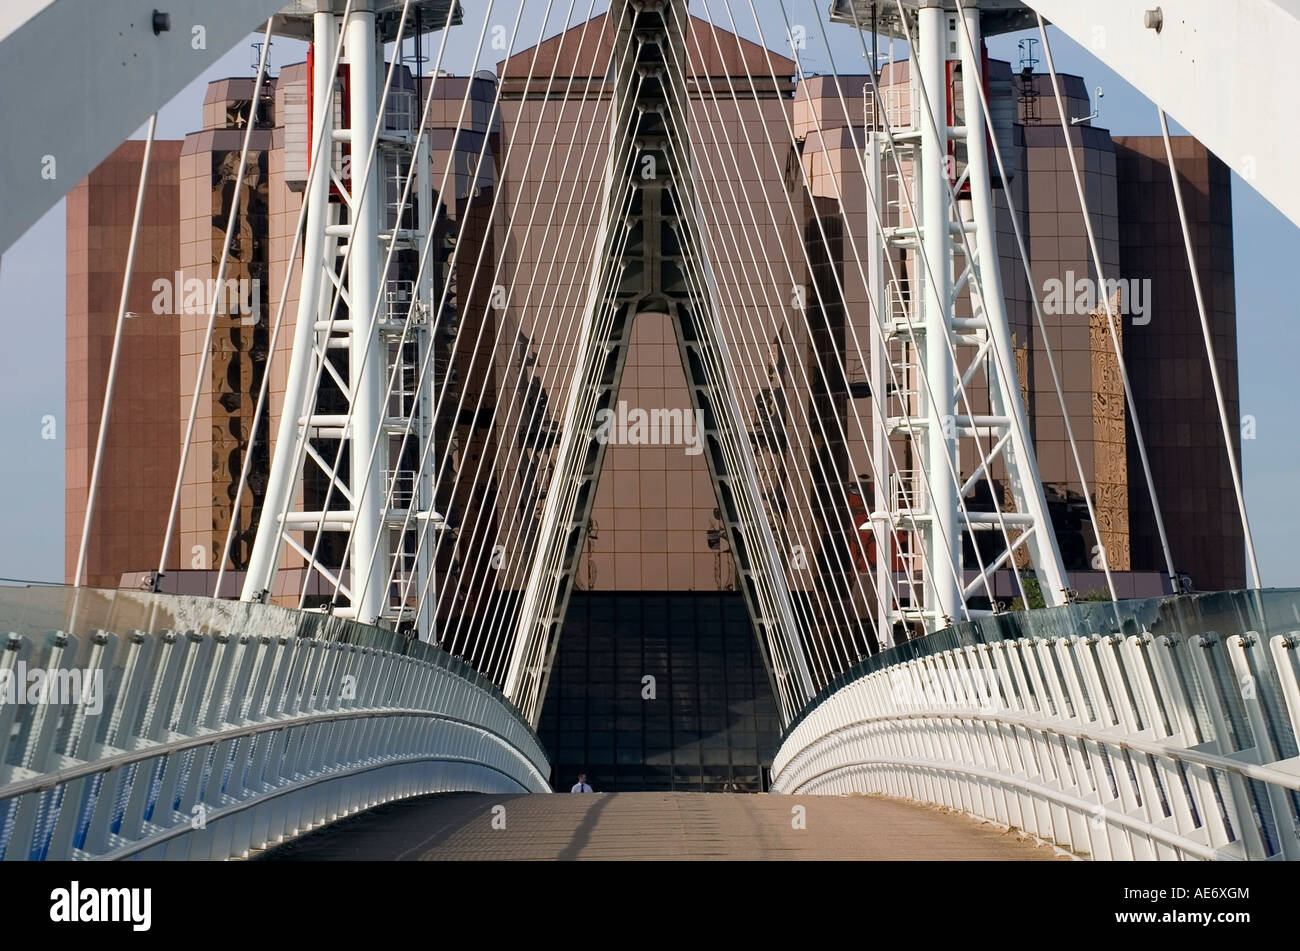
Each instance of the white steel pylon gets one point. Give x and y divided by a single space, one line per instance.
913 171
651 224
362 321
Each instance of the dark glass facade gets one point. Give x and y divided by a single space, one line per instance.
706 722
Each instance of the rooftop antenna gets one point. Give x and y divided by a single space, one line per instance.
1096 110
257 55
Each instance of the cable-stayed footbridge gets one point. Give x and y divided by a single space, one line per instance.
846 311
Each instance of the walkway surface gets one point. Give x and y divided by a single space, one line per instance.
683 826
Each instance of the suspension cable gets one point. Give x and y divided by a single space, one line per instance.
875 325
713 252
449 640
370 329
1038 315
206 352
1233 465
438 484
105 412
1110 316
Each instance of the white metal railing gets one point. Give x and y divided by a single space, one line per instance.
213 745
404 372
399 214
896 198
900 296
403 567
398 295
905 491
901 108
400 487
1112 746
400 111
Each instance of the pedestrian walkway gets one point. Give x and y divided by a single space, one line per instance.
681 826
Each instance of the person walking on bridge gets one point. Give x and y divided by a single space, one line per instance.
581 784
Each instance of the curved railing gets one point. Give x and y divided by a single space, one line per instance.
153 726
1148 729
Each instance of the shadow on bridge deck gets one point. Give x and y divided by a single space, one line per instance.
656 825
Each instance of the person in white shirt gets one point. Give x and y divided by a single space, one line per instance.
581 784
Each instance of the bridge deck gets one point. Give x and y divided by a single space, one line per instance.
657 826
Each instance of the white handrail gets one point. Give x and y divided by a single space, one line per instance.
214 746
1111 747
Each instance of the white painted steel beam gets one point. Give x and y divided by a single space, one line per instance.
944 543
1227 72
90 74
1022 464
366 367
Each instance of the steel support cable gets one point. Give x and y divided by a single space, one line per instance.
536 649
372 325
231 220
907 421
423 533
437 406
567 483
538 643
895 529
963 394
986 458
817 653
822 304
567 480
486 634
1110 316
699 273
816 354
495 648
481 630
516 392
106 411
849 623
481 640
1233 465
696 277
820 653
601 315
1038 313
712 252
848 324
292 260
460 473
786 652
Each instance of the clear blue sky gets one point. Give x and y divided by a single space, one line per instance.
1267 247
